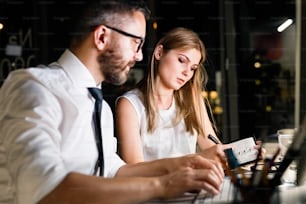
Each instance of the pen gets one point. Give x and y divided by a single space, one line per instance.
255 174
257 159
274 157
231 174
212 138
241 176
265 171
289 157
267 167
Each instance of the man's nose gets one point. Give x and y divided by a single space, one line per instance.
139 55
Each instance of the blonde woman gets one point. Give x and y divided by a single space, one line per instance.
166 114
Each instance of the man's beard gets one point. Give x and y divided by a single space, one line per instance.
113 67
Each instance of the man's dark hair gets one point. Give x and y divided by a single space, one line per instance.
108 12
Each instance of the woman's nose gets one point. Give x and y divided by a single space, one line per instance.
185 71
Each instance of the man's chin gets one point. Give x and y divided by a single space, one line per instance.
117 81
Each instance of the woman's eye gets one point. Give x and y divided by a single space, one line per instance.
181 60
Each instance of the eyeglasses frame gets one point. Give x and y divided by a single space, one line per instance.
129 35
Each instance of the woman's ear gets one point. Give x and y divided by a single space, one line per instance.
158 52
100 37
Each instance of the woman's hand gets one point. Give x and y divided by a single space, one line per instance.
216 153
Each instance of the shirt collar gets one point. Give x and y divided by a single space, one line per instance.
76 70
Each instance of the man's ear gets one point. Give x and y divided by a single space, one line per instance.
100 36
158 52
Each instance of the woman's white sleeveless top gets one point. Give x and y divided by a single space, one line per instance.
168 140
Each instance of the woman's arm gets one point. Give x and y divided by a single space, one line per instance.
128 132
203 141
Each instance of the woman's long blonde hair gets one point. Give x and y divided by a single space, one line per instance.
189 100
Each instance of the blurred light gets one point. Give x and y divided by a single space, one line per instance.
204 94
268 108
154 25
284 25
213 94
257 57
257 65
257 82
1 26
218 110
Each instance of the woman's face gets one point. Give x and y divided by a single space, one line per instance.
177 67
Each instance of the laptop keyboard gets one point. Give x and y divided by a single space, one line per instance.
226 195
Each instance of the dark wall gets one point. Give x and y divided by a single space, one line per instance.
34 32
37 32
202 17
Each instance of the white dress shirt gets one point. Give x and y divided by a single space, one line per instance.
46 130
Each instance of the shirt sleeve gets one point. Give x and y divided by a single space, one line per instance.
112 161
33 157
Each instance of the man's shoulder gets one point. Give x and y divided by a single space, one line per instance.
41 74
38 70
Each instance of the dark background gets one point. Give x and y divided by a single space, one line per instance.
41 29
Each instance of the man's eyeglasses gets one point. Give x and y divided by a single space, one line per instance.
129 35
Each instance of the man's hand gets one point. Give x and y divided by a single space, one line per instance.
196 161
188 179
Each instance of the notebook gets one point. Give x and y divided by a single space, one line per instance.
242 152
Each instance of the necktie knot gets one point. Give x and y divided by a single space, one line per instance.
96 93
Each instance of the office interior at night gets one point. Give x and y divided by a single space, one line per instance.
256 72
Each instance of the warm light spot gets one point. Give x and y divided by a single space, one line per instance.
218 110
154 25
257 65
268 108
213 94
204 94
1 26
257 82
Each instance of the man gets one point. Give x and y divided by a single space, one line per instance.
48 150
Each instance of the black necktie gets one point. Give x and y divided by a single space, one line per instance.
97 94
